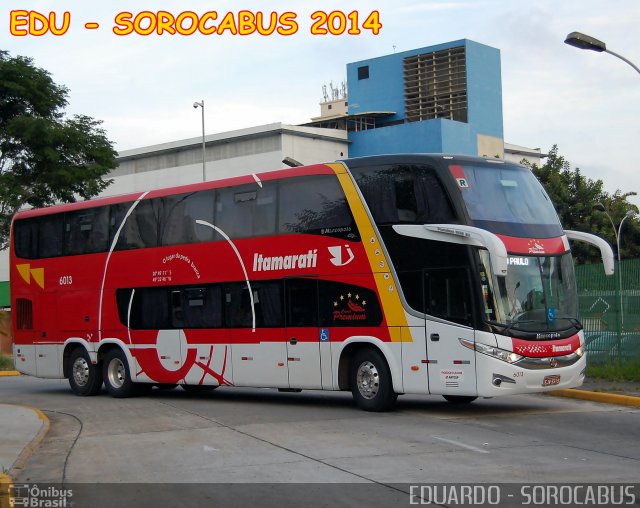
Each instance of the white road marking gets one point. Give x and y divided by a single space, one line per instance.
462 445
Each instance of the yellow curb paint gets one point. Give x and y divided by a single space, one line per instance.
7 373
607 398
5 486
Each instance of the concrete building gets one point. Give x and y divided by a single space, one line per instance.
442 98
227 154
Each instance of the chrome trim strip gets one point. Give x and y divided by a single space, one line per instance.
547 362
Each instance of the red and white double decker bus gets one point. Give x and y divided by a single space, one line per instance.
426 274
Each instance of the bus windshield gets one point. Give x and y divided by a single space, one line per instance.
507 199
538 293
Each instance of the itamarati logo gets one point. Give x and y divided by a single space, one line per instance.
292 262
349 307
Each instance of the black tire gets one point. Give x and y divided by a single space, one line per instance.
85 378
116 375
459 399
198 388
370 380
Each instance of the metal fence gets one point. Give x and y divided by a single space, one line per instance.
610 314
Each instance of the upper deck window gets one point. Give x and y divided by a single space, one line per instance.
313 204
404 193
316 205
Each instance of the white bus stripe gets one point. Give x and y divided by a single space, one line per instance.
246 276
106 264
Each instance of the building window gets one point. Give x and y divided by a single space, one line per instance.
435 85
363 72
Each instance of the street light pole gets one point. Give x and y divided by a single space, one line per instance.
196 105
583 41
618 234
627 215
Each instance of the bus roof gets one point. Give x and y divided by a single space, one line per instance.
315 169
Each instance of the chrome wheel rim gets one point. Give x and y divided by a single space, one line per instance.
368 380
81 371
116 373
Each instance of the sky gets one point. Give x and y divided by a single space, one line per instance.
143 87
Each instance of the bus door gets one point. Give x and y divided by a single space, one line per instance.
451 367
303 335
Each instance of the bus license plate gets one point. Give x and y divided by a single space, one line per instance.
551 380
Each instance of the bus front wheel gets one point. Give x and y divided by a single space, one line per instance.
117 378
371 384
85 378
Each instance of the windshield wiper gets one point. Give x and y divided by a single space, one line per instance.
504 329
572 320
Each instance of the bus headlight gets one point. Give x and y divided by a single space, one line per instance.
496 352
579 352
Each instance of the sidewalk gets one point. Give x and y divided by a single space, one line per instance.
23 428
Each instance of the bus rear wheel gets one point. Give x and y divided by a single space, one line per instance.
117 378
459 399
371 384
85 378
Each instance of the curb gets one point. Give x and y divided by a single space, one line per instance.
7 373
28 450
607 398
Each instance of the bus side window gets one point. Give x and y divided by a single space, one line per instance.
237 306
50 236
147 310
267 305
86 231
197 307
412 287
25 238
141 227
432 203
404 193
201 206
246 210
302 302
174 226
447 294
313 204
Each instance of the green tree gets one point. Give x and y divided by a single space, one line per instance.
574 197
45 157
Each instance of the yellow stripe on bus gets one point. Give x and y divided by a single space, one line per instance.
387 290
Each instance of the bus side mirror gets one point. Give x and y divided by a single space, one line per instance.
605 249
464 235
